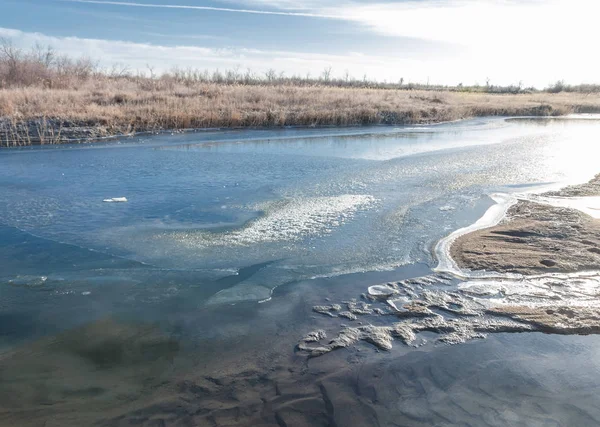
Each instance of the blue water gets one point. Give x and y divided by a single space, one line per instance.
229 238
301 204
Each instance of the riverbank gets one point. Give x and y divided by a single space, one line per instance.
108 108
536 238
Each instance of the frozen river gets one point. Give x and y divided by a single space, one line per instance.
217 222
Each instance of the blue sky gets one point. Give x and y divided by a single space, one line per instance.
446 41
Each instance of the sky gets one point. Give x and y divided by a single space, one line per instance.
532 42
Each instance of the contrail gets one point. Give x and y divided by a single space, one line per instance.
217 9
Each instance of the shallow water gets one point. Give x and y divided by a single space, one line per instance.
218 221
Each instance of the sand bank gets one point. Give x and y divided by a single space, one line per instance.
534 269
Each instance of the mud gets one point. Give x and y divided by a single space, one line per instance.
533 239
556 319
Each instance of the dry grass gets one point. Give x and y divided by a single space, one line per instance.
46 98
106 106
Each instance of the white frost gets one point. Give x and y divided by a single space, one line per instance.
492 217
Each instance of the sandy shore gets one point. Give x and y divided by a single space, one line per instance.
536 238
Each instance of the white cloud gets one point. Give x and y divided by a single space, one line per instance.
198 8
138 55
477 22
535 42
304 5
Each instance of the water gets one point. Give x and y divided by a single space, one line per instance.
302 204
218 222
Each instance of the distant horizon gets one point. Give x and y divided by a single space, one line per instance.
440 42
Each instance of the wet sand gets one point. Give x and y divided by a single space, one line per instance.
533 239
536 238
509 379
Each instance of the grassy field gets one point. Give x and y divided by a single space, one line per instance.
45 99
34 115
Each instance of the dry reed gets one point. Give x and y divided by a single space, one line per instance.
46 99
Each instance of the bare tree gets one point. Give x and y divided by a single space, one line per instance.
217 76
271 75
44 55
119 70
326 75
236 72
248 76
11 56
151 71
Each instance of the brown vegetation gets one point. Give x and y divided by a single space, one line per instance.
46 98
